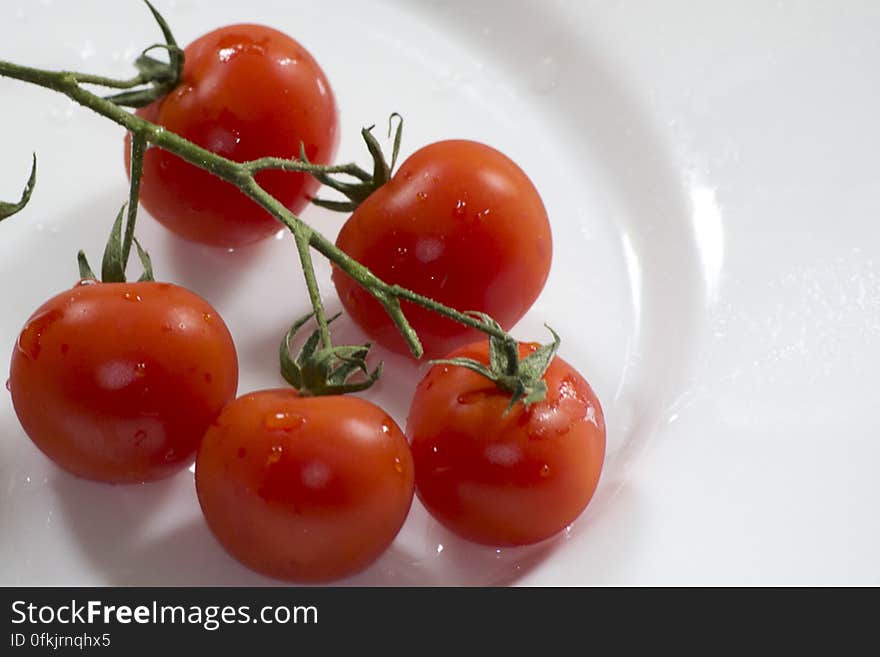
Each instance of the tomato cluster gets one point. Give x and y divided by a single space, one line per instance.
131 382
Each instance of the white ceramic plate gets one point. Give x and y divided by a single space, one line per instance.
713 183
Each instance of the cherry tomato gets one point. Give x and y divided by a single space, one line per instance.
247 91
304 488
117 382
460 223
505 478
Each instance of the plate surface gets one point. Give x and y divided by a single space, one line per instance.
712 179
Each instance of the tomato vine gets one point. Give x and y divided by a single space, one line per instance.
155 78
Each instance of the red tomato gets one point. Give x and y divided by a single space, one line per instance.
304 488
247 91
460 223
117 382
505 479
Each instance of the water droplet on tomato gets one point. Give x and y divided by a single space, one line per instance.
422 196
9 385
482 214
139 437
85 281
460 208
170 455
274 455
207 317
131 296
32 334
591 415
545 471
225 54
386 428
568 389
398 466
140 370
283 421
476 396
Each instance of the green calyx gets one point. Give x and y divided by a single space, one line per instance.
155 78
118 248
522 378
320 369
115 258
9 209
367 183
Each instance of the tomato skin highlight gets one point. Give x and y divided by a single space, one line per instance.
117 382
247 91
499 479
459 222
305 489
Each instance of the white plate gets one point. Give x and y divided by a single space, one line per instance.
712 178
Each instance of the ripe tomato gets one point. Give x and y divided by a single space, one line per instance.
304 488
505 479
247 91
460 223
117 382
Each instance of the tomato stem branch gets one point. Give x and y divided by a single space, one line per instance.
138 148
305 258
242 175
111 83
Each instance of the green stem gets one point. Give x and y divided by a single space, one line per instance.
305 258
241 174
297 166
302 233
138 148
112 83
